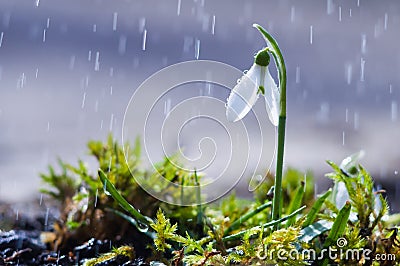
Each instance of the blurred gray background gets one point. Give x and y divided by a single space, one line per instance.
68 69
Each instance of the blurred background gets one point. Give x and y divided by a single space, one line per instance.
69 68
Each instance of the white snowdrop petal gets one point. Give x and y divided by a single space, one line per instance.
244 95
272 98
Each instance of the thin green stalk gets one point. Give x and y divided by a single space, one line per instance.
276 53
246 216
239 235
110 189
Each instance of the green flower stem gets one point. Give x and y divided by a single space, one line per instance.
280 63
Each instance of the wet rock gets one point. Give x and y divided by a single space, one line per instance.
92 248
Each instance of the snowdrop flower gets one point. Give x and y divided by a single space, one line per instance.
256 81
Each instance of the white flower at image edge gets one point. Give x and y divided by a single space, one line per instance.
245 94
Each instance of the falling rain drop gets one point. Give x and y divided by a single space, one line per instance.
48 126
144 40
111 71
292 14
349 73
394 111
197 49
1 38
297 74
340 13
90 55
44 35
343 137
111 122
142 24
347 115
122 44
83 100
48 23
311 34
101 124
37 3
390 89
329 7
111 90
363 43
362 69
178 9
95 199
358 2
41 199
96 106
213 26
46 219
16 215
37 73
115 20
350 12
21 81
356 121
97 63
385 21
94 28
167 107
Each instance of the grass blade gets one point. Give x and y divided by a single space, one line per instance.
109 187
312 215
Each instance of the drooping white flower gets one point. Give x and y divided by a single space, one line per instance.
256 81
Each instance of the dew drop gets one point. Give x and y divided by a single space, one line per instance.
142 227
105 189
